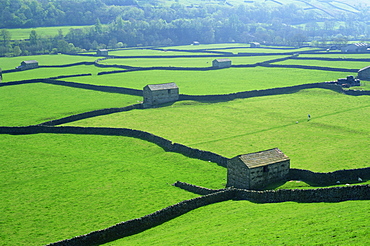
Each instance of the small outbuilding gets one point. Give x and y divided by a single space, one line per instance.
195 43
257 170
160 93
28 65
255 45
1 75
364 73
102 52
356 48
221 63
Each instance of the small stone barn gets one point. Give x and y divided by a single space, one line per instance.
221 63
102 52
28 65
257 170
160 93
255 45
355 48
1 75
364 73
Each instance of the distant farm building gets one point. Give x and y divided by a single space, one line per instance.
257 170
1 75
195 43
28 65
221 63
348 82
160 93
255 45
364 73
356 48
102 52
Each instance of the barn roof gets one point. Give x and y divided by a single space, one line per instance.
363 69
30 62
165 86
222 60
263 158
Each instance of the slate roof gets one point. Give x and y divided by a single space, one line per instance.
30 62
165 86
263 158
363 69
223 60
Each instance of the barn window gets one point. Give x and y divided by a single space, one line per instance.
265 169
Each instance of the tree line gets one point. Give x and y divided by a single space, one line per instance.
120 23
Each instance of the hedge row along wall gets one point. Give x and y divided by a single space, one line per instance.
130 227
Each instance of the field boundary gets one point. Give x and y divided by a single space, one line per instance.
134 226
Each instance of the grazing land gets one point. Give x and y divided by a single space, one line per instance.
57 186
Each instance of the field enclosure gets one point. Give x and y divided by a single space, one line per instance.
57 186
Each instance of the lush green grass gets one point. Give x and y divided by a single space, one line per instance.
24 33
36 103
222 81
184 62
333 139
334 64
246 223
48 72
44 60
55 187
342 55
151 52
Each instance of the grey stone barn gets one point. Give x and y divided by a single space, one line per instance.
221 63
255 45
28 65
102 52
160 93
364 73
355 48
257 170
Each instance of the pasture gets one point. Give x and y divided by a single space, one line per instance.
57 186
24 33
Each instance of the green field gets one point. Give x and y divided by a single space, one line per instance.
339 124
57 186
12 62
185 62
24 33
223 81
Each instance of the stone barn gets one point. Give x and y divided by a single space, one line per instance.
28 65
364 73
160 93
257 170
1 75
102 52
255 45
355 48
221 63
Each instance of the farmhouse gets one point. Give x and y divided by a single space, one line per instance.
160 93
364 73
256 170
28 65
255 45
355 48
221 63
102 52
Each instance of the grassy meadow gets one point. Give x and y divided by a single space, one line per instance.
24 33
222 81
31 104
57 186
333 139
184 62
